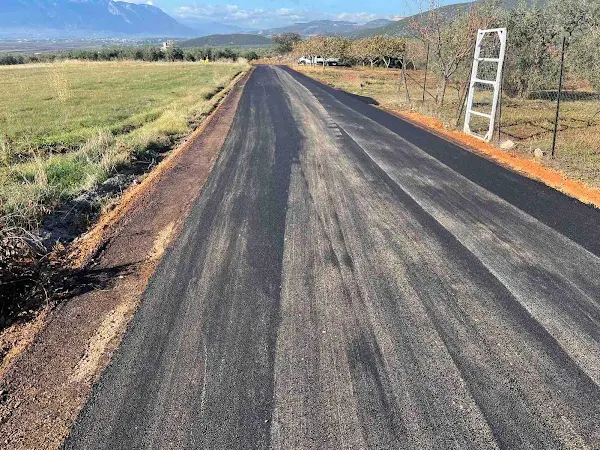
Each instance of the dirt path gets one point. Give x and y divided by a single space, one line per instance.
46 386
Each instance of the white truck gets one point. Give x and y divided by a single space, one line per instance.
318 60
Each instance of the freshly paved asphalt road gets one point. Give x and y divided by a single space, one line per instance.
347 280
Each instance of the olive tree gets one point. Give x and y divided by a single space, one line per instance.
284 42
580 21
366 49
535 33
335 47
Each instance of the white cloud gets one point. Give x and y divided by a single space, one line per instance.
139 2
262 18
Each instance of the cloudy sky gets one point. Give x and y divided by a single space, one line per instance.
272 13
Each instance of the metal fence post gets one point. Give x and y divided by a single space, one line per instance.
500 100
426 70
500 113
560 86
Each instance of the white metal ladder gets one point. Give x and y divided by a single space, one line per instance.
495 83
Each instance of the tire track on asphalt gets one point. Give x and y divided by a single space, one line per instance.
518 424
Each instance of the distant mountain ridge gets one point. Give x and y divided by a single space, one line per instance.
325 27
401 28
110 18
227 40
73 18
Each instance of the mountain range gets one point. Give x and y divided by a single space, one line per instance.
326 27
401 27
85 18
110 18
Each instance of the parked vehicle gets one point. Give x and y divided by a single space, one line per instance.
318 60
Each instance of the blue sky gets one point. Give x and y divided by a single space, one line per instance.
271 13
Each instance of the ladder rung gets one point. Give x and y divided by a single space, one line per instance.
493 30
496 60
488 116
477 80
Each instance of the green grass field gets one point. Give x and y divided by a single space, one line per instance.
66 127
529 123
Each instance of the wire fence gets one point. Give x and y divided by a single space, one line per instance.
554 112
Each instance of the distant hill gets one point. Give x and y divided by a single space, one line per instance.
315 27
401 27
325 27
377 23
227 40
85 18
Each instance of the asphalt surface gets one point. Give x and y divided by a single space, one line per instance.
347 280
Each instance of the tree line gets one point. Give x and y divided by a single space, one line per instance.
146 53
373 50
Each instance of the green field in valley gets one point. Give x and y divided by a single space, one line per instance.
65 127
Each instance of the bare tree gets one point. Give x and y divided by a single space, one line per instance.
336 47
324 47
451 38
310 48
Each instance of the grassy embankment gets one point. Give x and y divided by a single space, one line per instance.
66 127
527 122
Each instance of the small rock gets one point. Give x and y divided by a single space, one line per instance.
114 184
539 153
507 145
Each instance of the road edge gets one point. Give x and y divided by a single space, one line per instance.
86 247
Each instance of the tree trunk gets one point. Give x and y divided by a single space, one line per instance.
444 87
405 83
